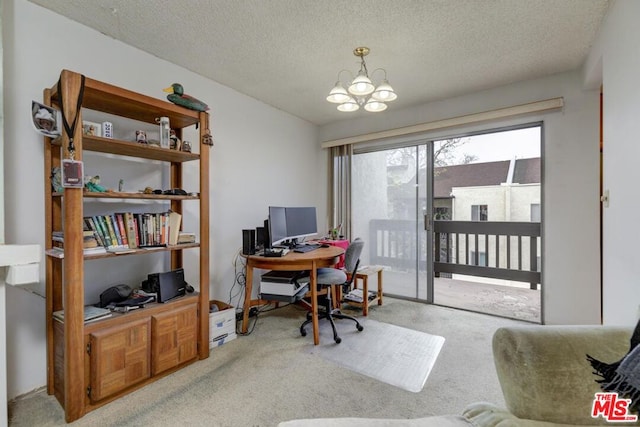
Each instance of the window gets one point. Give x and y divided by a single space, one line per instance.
479 213
535 212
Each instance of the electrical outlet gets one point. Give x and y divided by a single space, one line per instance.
253 312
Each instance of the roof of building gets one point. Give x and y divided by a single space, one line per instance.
526 171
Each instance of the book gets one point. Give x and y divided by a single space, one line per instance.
186 237
103 231
119 220
92 225
91 314
130 230
174 227
112 233
120 250
113 223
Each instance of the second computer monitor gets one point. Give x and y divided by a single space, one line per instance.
291 223
301 222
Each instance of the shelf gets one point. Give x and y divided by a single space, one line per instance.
125 103
56 254
132 196
132 149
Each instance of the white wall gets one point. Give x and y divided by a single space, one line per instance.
257 148
571 272
615 56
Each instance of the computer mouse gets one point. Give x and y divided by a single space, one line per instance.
324 245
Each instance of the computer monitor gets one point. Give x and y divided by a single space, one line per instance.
291 223
277 225
301 222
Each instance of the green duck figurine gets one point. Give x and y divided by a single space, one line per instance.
178 97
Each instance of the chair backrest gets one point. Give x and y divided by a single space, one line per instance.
352 255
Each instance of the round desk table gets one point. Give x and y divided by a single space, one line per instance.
321 257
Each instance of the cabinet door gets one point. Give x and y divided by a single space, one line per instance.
174 338
119 358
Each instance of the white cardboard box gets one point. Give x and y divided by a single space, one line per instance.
222 340
222 324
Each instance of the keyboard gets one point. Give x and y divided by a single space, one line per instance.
306 248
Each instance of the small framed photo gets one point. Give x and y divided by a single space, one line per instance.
91 128
45 119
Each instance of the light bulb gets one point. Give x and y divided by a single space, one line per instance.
349 106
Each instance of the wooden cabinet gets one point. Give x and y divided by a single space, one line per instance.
119 356
174 338
94 363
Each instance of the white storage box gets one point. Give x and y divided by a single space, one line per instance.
222 324
222 340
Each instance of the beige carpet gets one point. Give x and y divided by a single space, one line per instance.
271 376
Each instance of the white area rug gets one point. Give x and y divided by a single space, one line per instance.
398 356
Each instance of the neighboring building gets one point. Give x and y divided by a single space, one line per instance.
506 190
497 191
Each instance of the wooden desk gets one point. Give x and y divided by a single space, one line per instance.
322 257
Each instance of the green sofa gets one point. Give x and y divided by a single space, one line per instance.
545 378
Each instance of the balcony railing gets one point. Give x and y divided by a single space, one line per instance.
499 250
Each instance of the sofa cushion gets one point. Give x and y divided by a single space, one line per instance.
544 372
439 421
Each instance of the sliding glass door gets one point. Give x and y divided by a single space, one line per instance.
457 221
390 200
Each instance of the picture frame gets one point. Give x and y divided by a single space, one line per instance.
46 120
91 128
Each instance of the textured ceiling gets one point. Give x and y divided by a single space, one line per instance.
287 53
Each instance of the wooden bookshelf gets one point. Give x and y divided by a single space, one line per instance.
80 372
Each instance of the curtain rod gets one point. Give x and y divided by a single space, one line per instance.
501 113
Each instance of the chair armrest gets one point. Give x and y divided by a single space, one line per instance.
544 373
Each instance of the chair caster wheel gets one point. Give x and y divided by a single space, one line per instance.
338 340
359 328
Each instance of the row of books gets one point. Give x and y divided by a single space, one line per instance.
127 230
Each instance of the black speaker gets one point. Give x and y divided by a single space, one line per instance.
260 237
248 242
267 238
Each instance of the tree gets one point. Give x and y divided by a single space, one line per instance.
445 153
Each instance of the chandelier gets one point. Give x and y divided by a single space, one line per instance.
361 92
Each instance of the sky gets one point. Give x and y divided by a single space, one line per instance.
521 143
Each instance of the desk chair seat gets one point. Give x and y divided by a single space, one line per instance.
334 277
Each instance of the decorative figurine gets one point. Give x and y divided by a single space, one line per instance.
186 146
178 97
174 141
207 138
92 184
141 137
56 180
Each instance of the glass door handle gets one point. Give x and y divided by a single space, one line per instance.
427 222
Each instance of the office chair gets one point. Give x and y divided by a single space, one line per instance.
334 277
